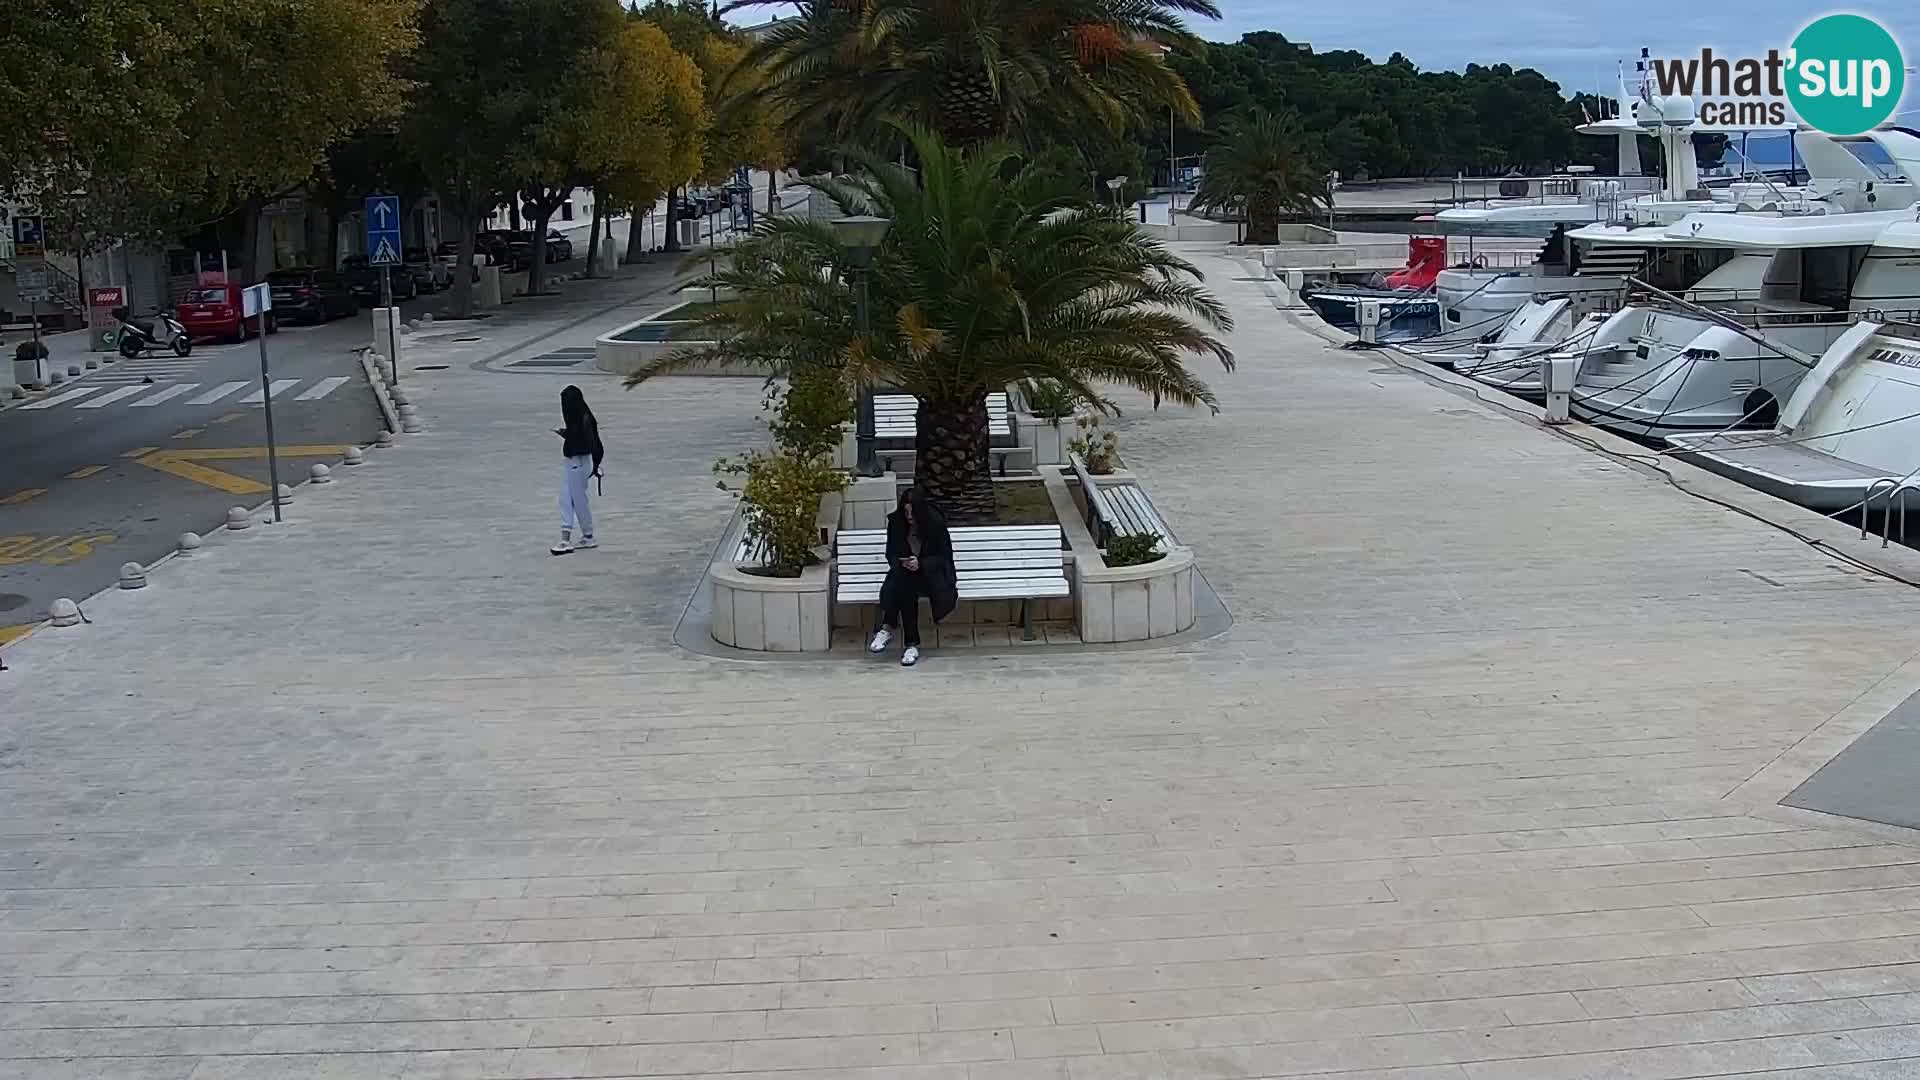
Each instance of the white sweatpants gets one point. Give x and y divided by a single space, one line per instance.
574 510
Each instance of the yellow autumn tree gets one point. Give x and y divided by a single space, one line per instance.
640 124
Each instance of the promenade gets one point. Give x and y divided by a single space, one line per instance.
1482 784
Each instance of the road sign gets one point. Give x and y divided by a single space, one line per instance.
29 237
106 296
32 282
255 299
384 246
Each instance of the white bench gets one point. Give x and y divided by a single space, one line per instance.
1120 509
892 460
894 416
992 562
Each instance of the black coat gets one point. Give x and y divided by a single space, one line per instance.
936 561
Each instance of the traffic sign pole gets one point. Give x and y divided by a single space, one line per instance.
260 299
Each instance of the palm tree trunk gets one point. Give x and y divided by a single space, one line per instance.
1263 219
951 462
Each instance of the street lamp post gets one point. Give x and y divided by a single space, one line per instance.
861 236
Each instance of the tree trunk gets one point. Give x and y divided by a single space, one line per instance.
773 192
673 238
463 215
593 242
950 458
1263 219
513 211
537 273
636 237
250 272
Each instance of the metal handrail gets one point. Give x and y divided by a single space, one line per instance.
1866 504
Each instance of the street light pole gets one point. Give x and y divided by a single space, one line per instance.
861 236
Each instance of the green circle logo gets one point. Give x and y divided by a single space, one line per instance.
1847 75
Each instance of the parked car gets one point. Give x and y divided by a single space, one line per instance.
559 248
310 295
214 311
512 249
363 281
448 256
429 276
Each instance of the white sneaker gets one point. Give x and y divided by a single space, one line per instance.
586 542
910 657
564 547
879 643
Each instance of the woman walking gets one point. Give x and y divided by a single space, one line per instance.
919 563
581 446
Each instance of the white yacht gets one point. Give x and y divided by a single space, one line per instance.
1609 249
1852 428
1776 292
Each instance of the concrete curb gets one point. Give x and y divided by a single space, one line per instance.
387 412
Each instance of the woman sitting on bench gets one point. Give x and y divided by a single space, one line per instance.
919 563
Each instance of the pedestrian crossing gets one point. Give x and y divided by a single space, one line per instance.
149 395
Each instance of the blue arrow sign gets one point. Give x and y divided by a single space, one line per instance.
384 246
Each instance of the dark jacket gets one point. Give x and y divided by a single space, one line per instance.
936 561
582 433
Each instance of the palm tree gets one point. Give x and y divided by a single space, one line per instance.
975 69
1261 168
989 275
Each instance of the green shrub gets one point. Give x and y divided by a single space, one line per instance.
809 414
1134 550
29 351
1049 399
1100 450
782 493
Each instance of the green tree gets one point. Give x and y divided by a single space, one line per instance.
975 69
990 274
486 73
138 118
1261 169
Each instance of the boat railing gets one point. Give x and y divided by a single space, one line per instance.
1560 187
1898 493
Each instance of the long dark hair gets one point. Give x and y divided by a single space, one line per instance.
926 515
574 412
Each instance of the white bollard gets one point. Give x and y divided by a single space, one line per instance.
133 576
73 371
383 440
284 496
93 364
426 319
64 612
55 376
355 455
319 474
400 396
189 543
238 518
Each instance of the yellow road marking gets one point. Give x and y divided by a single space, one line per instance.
50 550
189 433
14 633
140 451
200 474
182 463
85 471
19 497
231 417
242 453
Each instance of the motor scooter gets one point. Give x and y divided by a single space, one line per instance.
139 338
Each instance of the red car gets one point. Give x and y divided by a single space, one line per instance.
214 311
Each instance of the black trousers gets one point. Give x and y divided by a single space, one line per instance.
900 602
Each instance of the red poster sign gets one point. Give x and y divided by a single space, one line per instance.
108 297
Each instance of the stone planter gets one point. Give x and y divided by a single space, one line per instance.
764 614
1048 438
1134 603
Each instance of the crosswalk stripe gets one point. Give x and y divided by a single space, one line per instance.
61 399
280 386
322 388
110 397
168 394
219 392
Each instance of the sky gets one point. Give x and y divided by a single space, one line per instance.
1577 44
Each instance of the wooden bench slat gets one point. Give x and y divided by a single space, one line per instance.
991 562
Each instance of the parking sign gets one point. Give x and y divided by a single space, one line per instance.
29 237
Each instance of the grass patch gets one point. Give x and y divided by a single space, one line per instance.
1023 504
